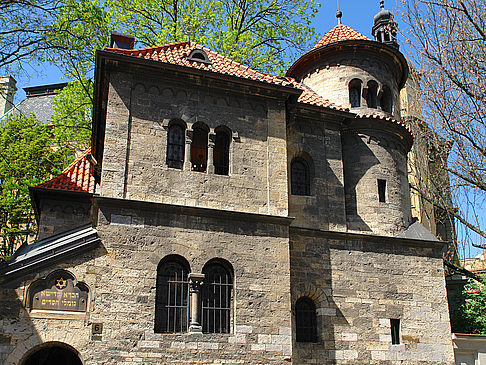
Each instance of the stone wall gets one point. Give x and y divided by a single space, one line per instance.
139 111
60 215
370 155
121 276
358 284
318 141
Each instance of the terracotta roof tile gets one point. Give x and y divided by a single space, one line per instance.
340 33
177 53
388 119
78 176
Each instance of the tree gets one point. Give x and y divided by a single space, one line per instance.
448 39
27 158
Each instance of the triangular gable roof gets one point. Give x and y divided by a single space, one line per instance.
418 232
78 176
177 53
339 33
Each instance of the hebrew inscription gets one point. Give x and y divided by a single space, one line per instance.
62 296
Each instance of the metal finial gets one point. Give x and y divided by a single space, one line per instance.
339 15
382 4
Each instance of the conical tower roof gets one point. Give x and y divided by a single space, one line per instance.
339 33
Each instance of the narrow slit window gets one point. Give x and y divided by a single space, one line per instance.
372 94
199 150
355 93
175 146
382 191
395 331
299 177
221 153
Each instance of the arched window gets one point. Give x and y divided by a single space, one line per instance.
221 152
217 293
199 149
355 93
386 100
175 146
172 292
305 320
299 177
372 94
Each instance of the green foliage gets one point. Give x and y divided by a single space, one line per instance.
27 158
71 122
469 313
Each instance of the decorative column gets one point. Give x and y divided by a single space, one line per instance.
195 282
187 153
211 141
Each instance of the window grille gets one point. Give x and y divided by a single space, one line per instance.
216 299
305 320
171 314
299 177
175 146
199 150
221 153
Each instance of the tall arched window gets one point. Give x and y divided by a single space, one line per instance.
299 177
372 94
199 149
172 293
221 152
305 320
217 293
175 146
355 93
386 100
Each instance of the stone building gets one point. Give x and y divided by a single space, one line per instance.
226 216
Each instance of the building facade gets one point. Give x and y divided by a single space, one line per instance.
225 216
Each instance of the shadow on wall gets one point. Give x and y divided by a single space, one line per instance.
311 277
358 159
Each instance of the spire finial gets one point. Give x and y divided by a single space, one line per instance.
382 4
339 15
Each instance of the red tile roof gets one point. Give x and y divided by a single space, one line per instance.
340 33
78 176
177 53
385 118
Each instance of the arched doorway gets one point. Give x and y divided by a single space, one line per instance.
53 354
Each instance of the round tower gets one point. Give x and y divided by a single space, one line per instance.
366 76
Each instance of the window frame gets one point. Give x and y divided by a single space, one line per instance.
164 310
303 331
221 152
199 143
172 145
220 312
296 187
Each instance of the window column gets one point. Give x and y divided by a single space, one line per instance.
211 142
195 283
187 154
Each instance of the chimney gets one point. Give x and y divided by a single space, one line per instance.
122 41
7 92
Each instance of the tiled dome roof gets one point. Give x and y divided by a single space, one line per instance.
340 33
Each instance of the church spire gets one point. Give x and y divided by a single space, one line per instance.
384 27
339 14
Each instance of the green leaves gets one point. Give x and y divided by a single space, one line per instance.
27 158
469 315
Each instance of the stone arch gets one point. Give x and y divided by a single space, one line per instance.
54 353
313 292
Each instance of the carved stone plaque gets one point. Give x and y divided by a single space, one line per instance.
62 296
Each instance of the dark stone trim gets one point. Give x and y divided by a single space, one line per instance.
369 238
192 211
